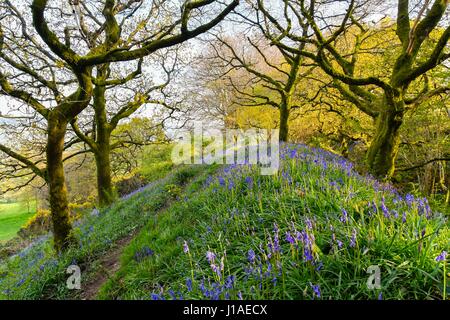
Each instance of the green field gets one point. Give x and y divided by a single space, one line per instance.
12 217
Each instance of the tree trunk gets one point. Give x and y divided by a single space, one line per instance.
284 120
103 150
384 147
59 204
104 181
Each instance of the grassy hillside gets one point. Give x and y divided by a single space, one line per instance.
310 232
12 217
36 272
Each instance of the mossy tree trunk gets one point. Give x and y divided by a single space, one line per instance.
284 119
385 143
104 180
59 203
102 150
286 97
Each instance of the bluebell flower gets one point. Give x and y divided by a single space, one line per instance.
289 238
216 269
189 284
316 290
308 223
221 181
210 256
319 266
172 294
239 295
229 282
395 214
409 198
344 217
442 256
251 256
21 282
353 239
155 296
384 209
276 243
380 296
185 247
293 153
249 181
307 255
143 253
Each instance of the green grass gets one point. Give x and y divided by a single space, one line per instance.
243 221
12 217
156 162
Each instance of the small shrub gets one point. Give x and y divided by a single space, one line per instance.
184 176
38 224
173 190
128 185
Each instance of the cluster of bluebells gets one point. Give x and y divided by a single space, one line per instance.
203 289
143 253
292 244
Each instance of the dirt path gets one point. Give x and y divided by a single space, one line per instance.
109 265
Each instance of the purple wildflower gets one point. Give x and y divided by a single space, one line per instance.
216 270
210 256
155 296
143 253
353 239
319 266
189 284
384 209
172 294
344 217
308 223
289 238
249 182
316 289
251 256
409 198
293 153
442 256
185 247
276 240
229 282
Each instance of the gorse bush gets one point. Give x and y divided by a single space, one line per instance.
310 232
130 184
